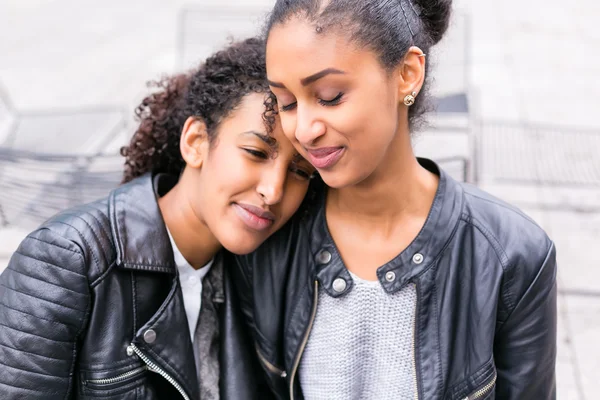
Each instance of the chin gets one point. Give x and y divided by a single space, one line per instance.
241 245
336 180
343 177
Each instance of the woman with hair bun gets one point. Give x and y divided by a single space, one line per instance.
400 283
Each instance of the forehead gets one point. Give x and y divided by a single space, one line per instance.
248 115
295 48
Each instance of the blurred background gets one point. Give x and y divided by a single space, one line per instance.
516 114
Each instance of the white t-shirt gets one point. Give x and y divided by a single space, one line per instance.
191 285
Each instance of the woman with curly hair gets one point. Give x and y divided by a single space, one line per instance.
129 297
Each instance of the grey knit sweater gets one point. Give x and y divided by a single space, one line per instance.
361 345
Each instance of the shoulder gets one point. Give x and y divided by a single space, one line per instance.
523 247
80 237
506 225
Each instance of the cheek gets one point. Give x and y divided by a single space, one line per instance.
372 121
226 175
288 125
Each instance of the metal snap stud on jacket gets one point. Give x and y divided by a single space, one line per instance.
323 257
339 285
390 276
149 336
418 258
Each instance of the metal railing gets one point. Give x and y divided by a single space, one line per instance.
537 154
52 159
36 186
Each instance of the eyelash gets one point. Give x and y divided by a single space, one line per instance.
327 103
333 102
302 174
263 156
258 154
288 107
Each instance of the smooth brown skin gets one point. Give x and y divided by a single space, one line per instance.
379 195
199 210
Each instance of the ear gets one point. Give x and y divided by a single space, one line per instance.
411 72
194 143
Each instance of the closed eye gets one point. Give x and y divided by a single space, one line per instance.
257 153
332 102
288 107
301 174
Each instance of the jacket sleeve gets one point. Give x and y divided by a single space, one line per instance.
525 346
44 301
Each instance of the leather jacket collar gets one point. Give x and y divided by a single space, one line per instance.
414 260
151 251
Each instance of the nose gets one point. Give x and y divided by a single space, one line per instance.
308 127
272 183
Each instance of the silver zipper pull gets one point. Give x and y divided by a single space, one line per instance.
130 351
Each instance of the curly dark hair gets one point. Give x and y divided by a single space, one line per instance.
209 93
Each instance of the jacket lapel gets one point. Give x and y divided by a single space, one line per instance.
165 338
141 238
143 244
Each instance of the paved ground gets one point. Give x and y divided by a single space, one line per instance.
530 62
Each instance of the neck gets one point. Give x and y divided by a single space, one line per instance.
194 240
399 187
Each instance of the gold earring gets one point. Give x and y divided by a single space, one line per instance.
409 100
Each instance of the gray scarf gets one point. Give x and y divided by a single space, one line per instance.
206 336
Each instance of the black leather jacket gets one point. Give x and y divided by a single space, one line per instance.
91 307
486 311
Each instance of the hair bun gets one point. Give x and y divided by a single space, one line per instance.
435 15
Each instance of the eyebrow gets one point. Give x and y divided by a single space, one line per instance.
270 141
310 79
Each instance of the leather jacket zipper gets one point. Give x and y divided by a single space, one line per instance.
273 369
313 314
414 344
484 390
155 368
118 378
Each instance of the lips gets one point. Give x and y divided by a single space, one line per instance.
325 157
254 217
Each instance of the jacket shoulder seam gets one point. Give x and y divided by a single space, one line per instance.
538 270
102 276
504 206
49 263
98 239
54 244
505 290
492 240
87 243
